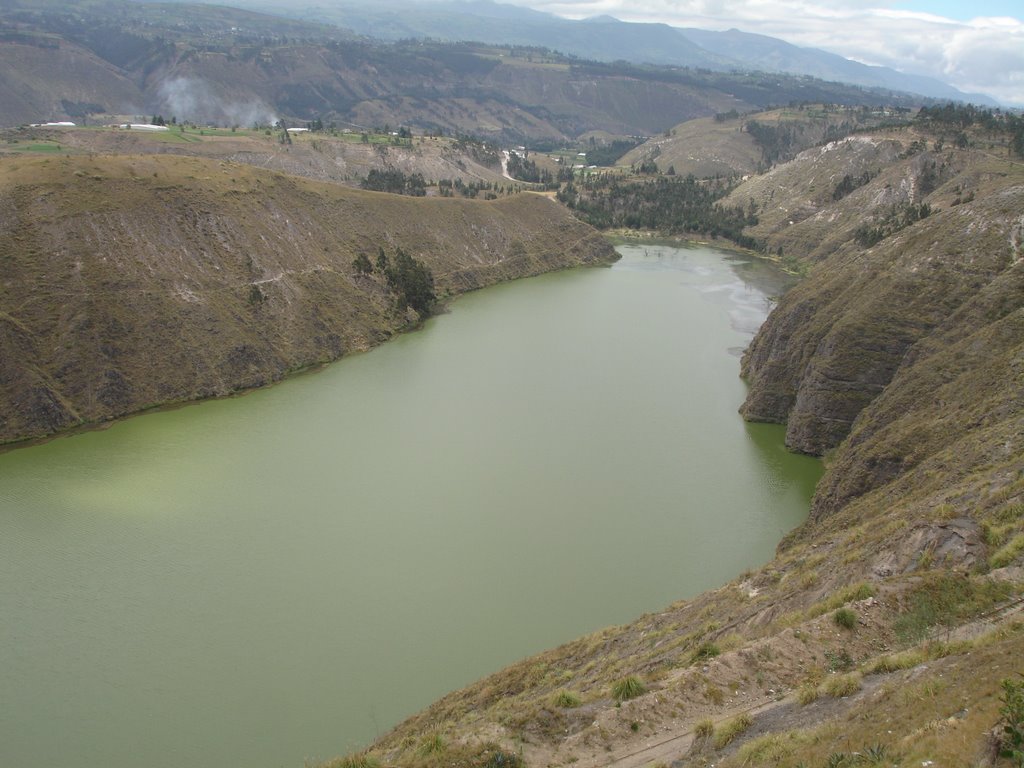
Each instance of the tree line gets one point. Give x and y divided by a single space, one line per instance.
670 204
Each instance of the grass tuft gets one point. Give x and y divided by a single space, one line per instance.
704 729
842 685
433 744
845 618
628 688
1008 553
707 650
807 693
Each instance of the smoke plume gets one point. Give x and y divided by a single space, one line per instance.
193 99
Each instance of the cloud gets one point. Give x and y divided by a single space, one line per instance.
985 54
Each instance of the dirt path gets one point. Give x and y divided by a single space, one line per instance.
504 165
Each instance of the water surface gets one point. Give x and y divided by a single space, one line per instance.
283 576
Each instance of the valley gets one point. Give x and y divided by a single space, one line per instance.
141 269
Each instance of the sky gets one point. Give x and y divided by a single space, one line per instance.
977 46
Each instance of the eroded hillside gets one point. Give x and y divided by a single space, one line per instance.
130 282
731 144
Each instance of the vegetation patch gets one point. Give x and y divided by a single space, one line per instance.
730 730
896 662
566 700
845 618
1008 552
946 599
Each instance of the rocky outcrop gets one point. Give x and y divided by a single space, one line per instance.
130 282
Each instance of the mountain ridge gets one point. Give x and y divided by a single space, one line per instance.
606 38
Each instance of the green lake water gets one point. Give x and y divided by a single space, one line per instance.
280 577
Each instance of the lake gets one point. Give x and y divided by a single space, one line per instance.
278 577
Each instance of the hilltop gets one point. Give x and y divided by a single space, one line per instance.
343 157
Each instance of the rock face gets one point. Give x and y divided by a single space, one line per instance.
893 353
127 283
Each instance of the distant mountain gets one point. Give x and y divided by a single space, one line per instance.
605 38
770 54
599 39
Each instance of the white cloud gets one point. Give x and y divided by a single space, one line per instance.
985 54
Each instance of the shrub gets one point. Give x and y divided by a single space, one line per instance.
732 729
874 754
628 688
703 729
946 599
1012 712
845 618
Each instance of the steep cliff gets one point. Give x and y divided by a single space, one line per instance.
130 282
875 343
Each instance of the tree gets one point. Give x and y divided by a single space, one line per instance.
413 282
